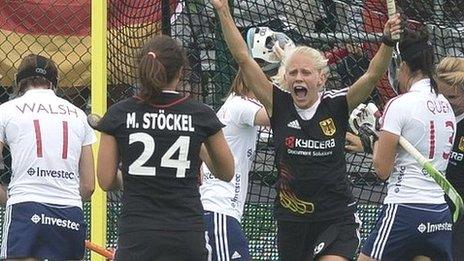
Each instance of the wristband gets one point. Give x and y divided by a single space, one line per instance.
388 41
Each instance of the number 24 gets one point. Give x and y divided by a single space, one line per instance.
181 164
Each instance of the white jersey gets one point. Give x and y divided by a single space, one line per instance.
45 135
238 114
428 123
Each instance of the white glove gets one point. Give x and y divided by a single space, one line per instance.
364 114
364 122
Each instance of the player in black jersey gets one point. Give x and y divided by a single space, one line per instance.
314 207
450 79
157 135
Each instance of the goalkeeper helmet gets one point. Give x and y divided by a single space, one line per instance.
260 41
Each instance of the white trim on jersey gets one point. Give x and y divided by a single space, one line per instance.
384 231
335 93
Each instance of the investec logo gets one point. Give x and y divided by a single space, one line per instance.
53 221
57 174
430 228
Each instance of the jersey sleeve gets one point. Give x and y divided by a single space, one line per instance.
210 121
244 113
395 116
281 100
338 103
110 122
89 135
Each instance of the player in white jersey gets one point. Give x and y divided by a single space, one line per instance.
242 114
52 168
222 201
415 221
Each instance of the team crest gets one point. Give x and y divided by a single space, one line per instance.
461 144
328 127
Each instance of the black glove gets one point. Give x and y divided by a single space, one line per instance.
368 135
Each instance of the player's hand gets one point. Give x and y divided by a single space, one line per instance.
220 4
368 136
353 143
364 114
394 26
279 51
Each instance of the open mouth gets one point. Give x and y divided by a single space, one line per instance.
300 91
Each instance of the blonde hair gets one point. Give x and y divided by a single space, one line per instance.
450 70
317 58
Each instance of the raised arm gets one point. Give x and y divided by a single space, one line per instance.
363 87
253 76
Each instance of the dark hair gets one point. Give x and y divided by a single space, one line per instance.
36 70
160 62
417 51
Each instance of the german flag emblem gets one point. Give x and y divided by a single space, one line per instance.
461 144
328 127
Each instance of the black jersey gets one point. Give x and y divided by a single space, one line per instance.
159 147
455 169
310 158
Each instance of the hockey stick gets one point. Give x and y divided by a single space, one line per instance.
434 173
391 7
99 250
437 176
373 113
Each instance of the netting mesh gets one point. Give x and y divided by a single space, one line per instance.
347 31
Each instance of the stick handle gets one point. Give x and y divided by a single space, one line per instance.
391 7
99 250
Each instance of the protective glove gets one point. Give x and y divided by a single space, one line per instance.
364 122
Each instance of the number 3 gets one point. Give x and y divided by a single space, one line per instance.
181 164
448 124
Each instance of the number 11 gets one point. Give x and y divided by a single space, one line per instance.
38 139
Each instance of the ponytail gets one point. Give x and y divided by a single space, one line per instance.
152 73
160 62
417 51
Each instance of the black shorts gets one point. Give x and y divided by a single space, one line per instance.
303 241
156 245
